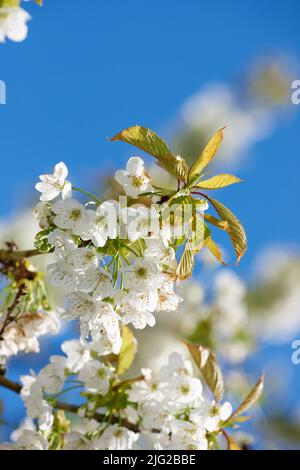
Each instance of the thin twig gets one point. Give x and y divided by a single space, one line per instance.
20 292
227 439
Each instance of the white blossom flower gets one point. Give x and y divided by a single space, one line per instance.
155 415
141 221
23 335
157 250
168 302
75 440
134 179
137 307
210 414
52 376
63 242
102 320
52 185
102 223
149 389
77 353
98 283
13 24
186 436
116 437
81 305
31 440
26 424
70 214
177 365
102 344
82 260
96 377
61 274
185 389
143 274
36 405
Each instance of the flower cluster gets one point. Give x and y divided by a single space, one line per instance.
110 280
22 335
116 262
171 410
174 411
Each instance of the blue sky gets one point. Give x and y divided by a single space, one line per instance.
89 69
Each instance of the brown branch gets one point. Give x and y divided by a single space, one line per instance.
11 255
20 292
13 386
227 438
16 387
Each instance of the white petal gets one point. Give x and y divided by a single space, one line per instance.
225 411
61 171
135 166
67 190
121 177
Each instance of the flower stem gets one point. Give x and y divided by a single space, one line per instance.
87 193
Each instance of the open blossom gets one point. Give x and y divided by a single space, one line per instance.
184 436
134 179
96 377
70 214
52 376
31 440
81 305
142 222
61 274
98 283
13 24
82 260
63 243
23 335
137 307
77 354
143 273
102 223
52 185
36 405
211 414
116 437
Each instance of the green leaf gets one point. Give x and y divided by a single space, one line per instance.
207 363
128 350
9 3
206 157
252 397
236 230
186 264
145 139
218 181
41 241
200 232
148 141
222 224
214 249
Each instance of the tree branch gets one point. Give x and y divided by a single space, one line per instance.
16 387
20 292
10 255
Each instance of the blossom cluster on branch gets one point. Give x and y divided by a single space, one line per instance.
119 264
